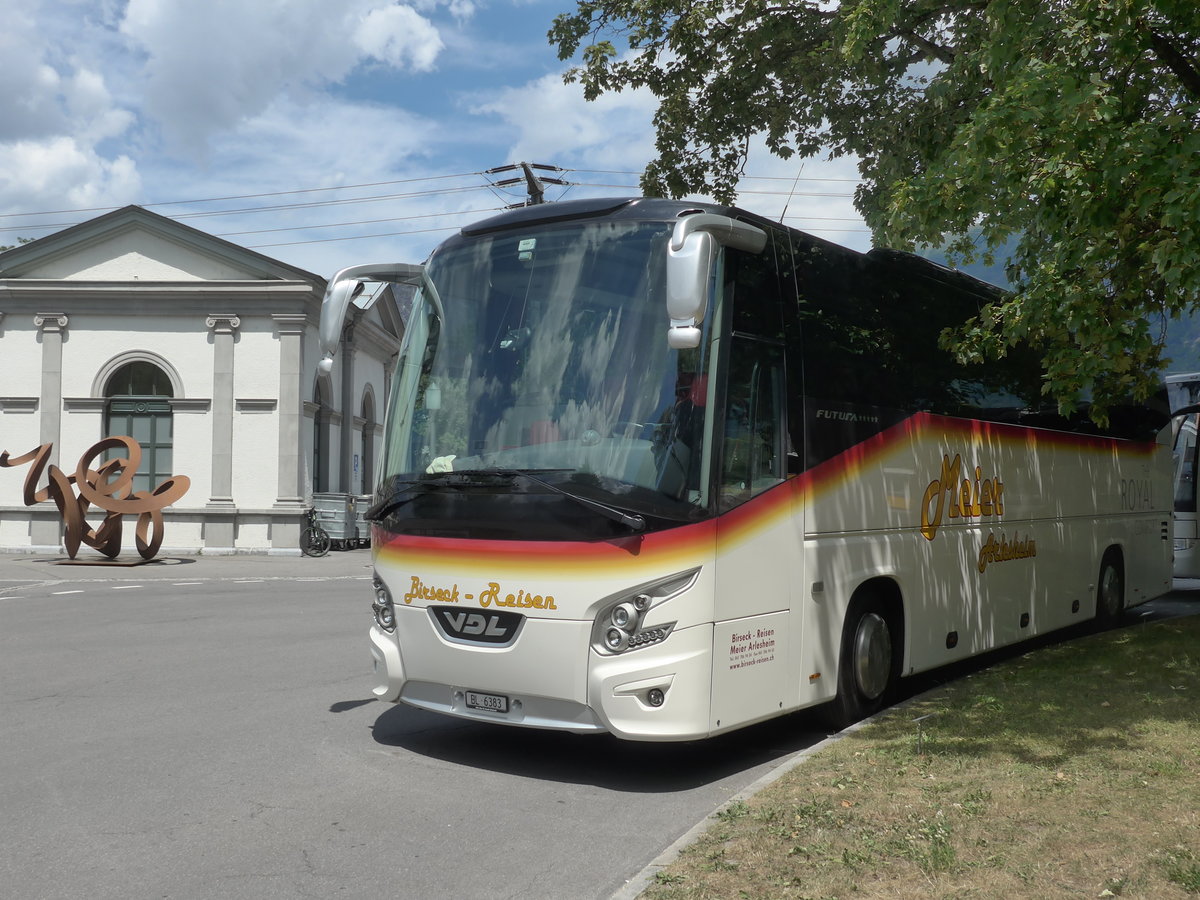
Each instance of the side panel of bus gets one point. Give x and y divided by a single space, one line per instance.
991 533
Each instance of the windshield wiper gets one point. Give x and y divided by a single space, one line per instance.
632 521
407 493
385 507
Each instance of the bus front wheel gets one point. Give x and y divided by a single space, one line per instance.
1110 590
867 664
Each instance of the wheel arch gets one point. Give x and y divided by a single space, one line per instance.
887 591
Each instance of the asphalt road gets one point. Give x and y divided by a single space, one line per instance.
206 730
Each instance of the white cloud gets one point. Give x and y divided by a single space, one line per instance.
399 36
62 173
211 65
553 123
30 99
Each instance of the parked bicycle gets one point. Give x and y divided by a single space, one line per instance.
314 540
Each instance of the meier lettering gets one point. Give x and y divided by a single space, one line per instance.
955 497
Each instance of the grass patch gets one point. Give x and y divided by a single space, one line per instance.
1073 771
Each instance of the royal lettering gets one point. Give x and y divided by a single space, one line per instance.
952 496
1136 495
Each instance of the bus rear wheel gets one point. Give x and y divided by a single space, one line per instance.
1110 590
867 664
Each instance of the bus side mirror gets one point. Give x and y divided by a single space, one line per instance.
343 288
687 288
690 257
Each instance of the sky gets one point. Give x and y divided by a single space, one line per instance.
326 133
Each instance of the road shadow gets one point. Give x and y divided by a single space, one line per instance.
646 767
347 705
601 760
121 562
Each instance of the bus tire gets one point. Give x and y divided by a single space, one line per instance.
1110 590
868 662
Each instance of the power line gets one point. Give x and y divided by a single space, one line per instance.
497 190
357 237
743 177
341 187
378 198
461 212
347 187
319 203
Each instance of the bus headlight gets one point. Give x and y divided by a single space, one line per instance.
385 612
623 622
624 615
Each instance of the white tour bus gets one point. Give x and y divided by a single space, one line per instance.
663 470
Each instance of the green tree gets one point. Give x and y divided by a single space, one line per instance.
1066 129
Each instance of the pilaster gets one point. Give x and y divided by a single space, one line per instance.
219 527
290 330
52 327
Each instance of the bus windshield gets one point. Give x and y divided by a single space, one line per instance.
545 351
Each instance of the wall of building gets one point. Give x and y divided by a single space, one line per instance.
235 332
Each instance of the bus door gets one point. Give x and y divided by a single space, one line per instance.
758 542
1187 559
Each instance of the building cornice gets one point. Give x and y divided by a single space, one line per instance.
176 298
253 404
18 404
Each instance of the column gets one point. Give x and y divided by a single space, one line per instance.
285 534
46 532
220 515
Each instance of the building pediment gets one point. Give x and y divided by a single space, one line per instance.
135 245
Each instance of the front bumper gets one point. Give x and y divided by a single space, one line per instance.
553 679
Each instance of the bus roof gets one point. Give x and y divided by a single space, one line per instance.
657 209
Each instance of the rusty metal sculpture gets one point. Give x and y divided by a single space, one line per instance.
110 488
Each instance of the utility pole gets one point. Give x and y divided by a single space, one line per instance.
535 185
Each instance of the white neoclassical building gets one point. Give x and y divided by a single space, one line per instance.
205 352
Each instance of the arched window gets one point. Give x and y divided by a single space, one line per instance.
320 456
138 406
368 442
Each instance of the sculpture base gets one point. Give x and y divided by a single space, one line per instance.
126 563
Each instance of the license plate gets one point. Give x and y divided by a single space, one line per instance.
490 702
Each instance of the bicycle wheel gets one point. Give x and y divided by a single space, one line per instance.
314 541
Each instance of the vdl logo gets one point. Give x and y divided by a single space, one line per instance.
498 628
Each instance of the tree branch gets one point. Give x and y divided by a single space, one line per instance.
942 54
1183 68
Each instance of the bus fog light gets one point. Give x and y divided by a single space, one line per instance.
655 697
616 640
